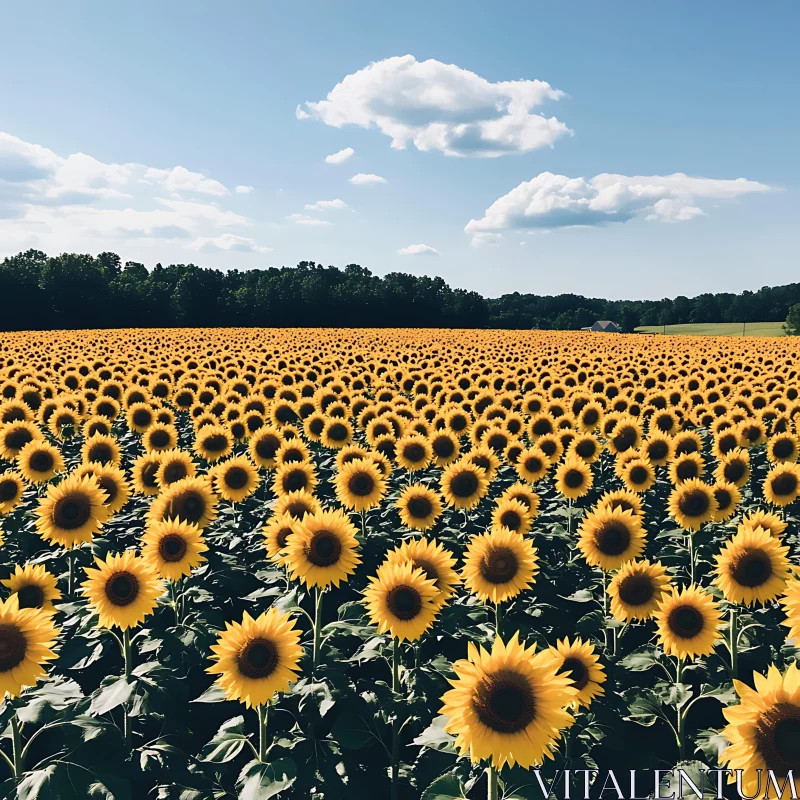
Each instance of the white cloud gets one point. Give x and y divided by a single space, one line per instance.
486 239
340 156
325 205
556 201
244 189
79 203
418 250
180 179
437 106
305 219
228 241
363 179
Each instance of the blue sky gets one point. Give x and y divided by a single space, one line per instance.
705 90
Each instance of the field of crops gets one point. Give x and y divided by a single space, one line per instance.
393 563
717 329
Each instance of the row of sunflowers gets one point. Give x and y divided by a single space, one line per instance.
345 563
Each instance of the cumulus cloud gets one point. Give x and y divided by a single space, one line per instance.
305 219
418 250
556 201
244 189
364 179
340 156
326 205
70 202
437 106
486 239
228 241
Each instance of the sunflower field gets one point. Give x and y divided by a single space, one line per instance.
397 564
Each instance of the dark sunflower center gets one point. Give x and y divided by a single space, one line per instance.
431 573
361 484
190 507
686 469
504 701
337 432
625 439
8 490
404 602
577 672
293 456
636 590
613 539
783 448
734 471
16 440
298 510
236 478
174 471
585 448
590 416
142 417
149 475
215 443
12 647
784 484
419 507
443 446
723 498
172 547
685 622
72 512
499 565
414 453
511 519
122 588
464 484
324 548
30 596
778 738
282 537
658 450
267 446
295 480
542 426
109 486
258 658
533 464
41 461
694 503
458 423
159 438
573 479
638 475
751 568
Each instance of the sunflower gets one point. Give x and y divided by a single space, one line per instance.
532 464
783 447
509 705
752 567
213 442
573 478
445 446
686 467
512 515
235 479
323 549
692 504
734 468
100 449
434 560
419 507
39 461
782 484
297 504
292 451
586 446
524 494
413 452
728 498
463 484
173 548
264 445
159 437
579 662
293 477
72 511
610 537
34 587
257 658
112 481
767 520
336 433
790 602
189 500
15 435
144 470
688 622
764 734
12 485
174 466
658 448
26 638
636 590
401 601
498 565
276 536
360 485
139 416
123 590
638 475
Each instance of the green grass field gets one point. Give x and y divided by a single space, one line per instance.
718 329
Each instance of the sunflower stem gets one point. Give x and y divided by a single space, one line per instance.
498 620
605 607
263 716
569 515
680 713
733 642
491 774
363 524
690 545
16 742
317 628
127 651
70 571
396 717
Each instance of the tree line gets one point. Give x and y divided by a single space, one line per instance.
72 291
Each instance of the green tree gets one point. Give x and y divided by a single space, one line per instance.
792 324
